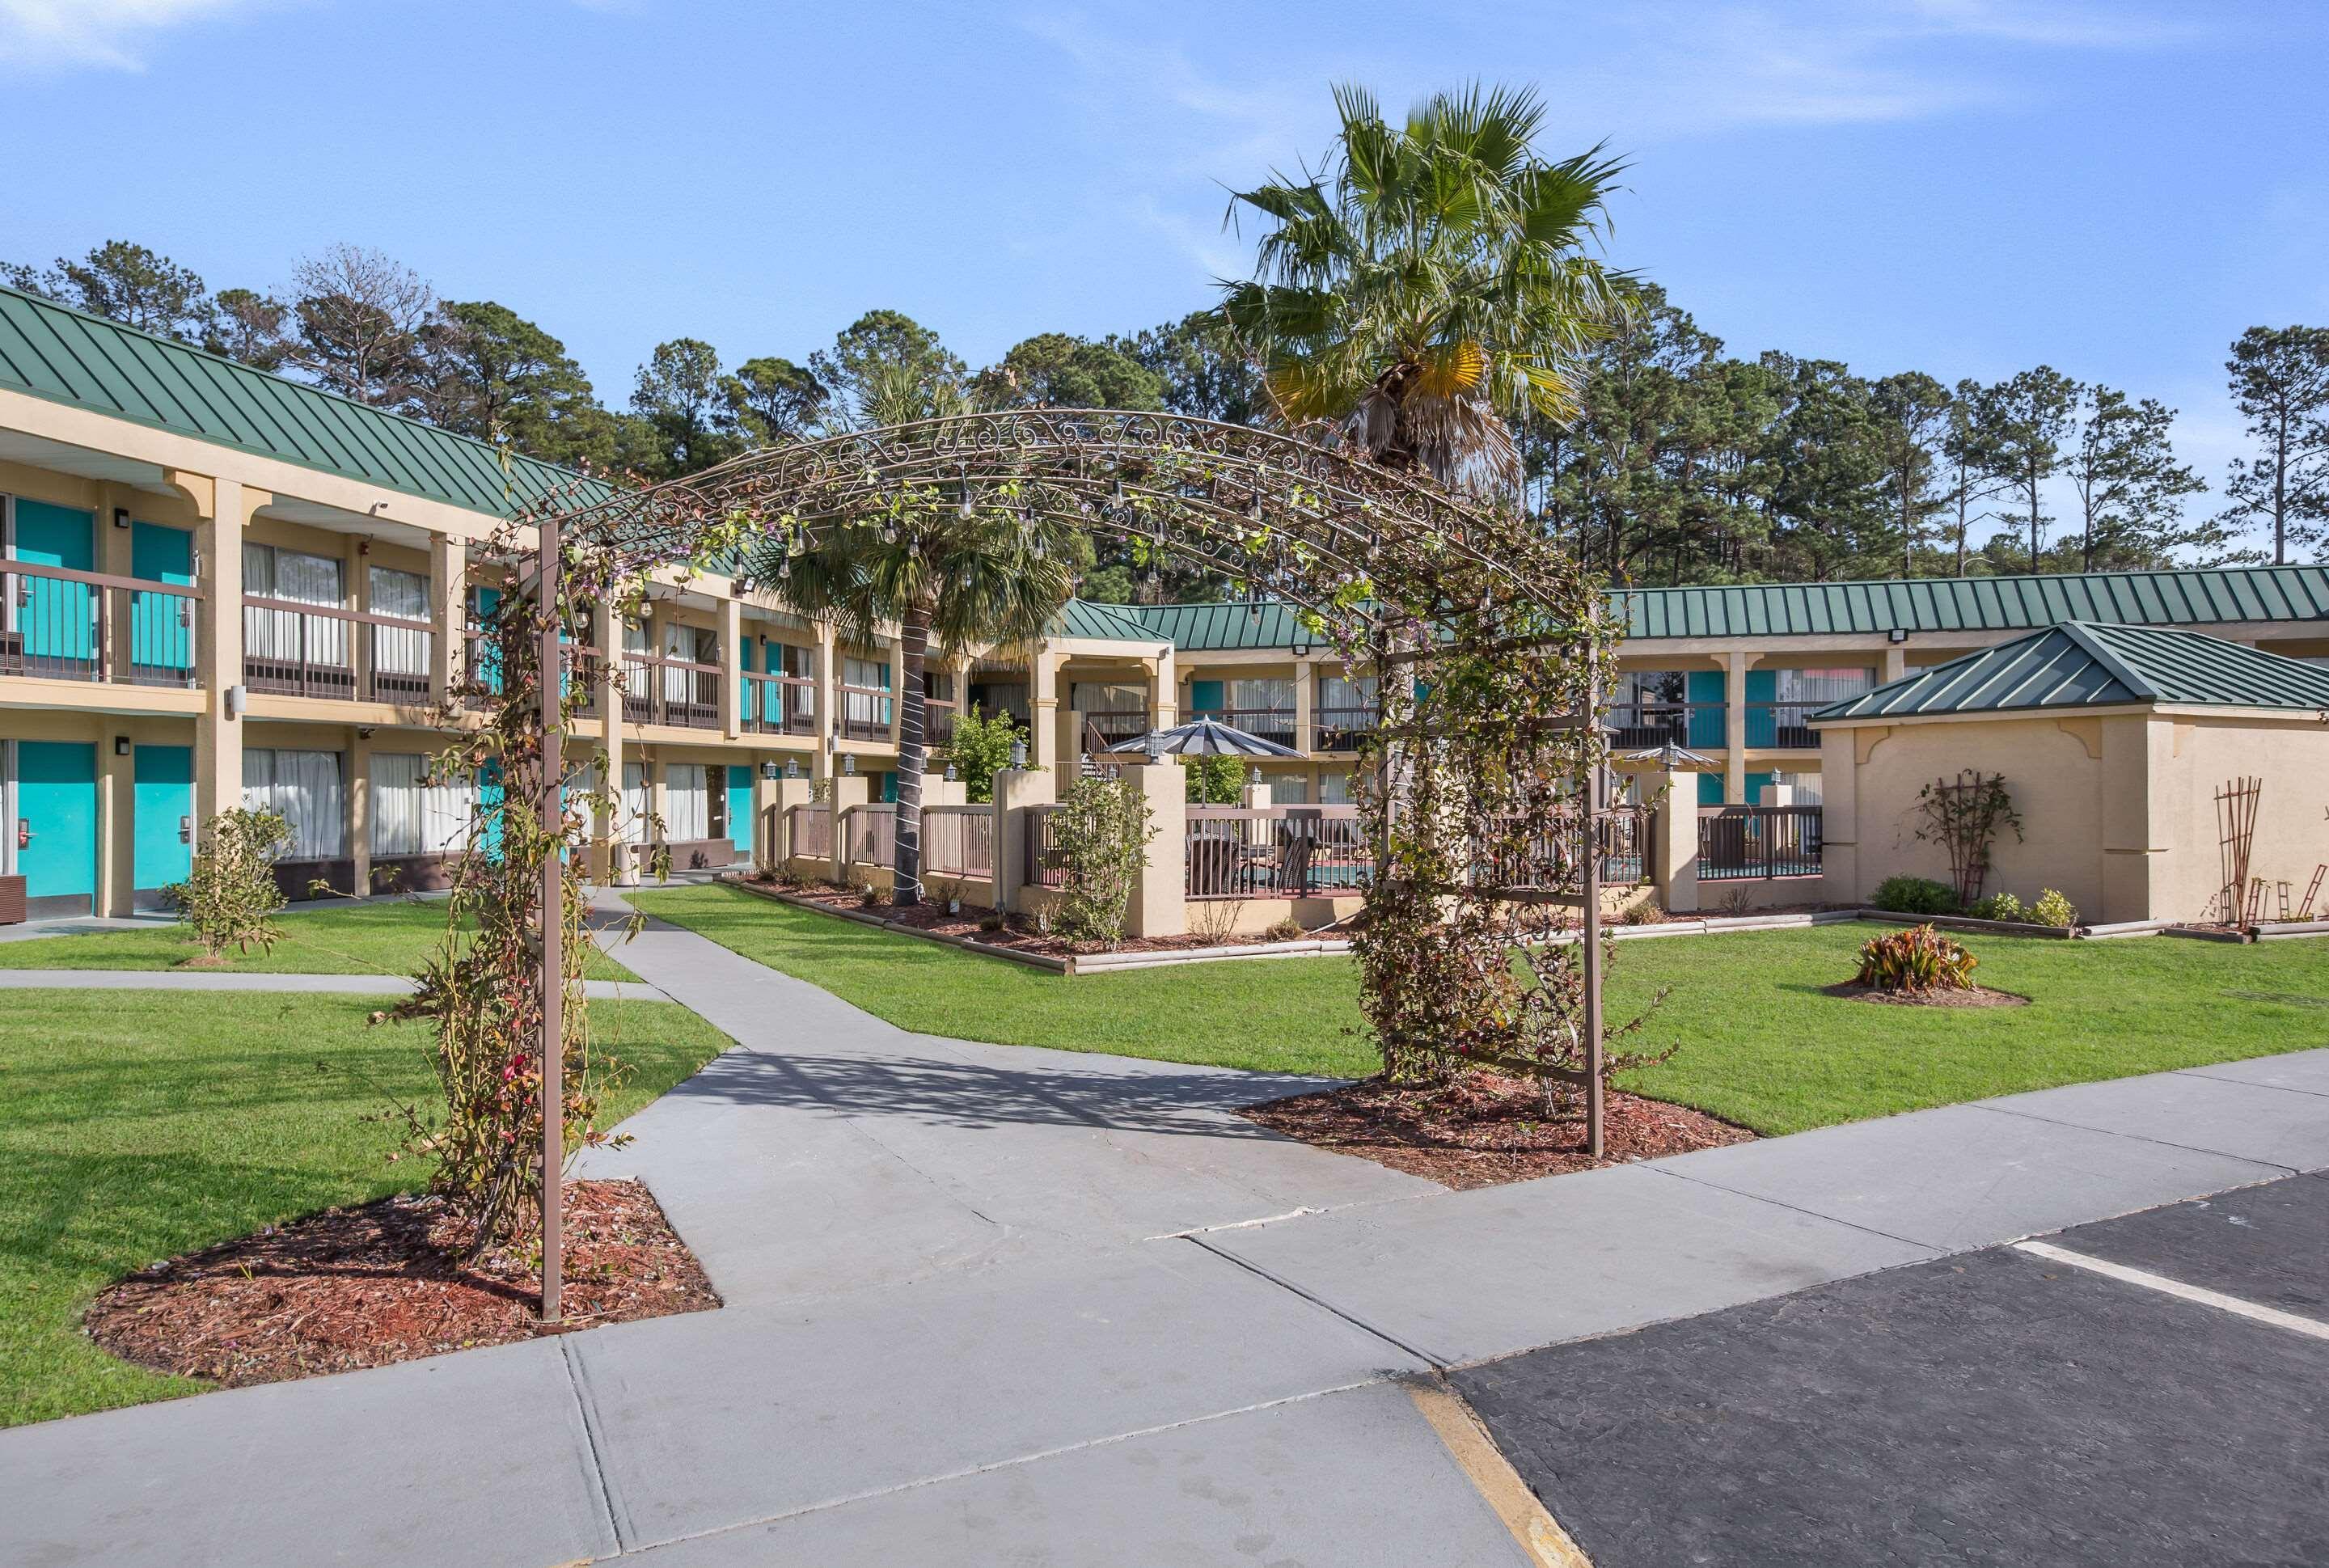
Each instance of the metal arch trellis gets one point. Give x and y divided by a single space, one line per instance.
1479 788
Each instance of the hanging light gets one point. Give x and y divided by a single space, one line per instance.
963 508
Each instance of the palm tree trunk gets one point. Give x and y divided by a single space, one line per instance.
906 861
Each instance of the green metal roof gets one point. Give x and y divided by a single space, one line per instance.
2092 665
1260 623
2196 596
1087 618
54 352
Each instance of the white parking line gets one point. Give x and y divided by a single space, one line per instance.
2161 1283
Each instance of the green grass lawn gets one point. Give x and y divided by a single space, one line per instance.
1758 1043
366 939
136 1125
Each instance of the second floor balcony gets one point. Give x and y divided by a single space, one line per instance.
306 650
1273 724
62 625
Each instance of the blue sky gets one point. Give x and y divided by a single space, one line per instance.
1954 186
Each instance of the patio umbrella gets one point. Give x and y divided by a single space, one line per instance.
1204 738
1672 758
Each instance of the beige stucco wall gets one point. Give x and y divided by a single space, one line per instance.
2053 769
2292 834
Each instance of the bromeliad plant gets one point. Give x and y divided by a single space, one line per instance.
1916 960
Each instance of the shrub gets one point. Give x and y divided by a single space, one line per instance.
1998 906
1214 780
2053 910
1916 895
1102 829
979 749
1916 959
1286 930
229 894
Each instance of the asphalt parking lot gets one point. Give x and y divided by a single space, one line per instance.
2154 1388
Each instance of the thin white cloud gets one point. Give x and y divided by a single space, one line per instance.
49 34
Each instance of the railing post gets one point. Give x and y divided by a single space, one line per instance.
1160 904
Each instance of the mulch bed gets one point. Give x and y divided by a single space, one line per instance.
1979 997
1015 935
1487 1131
383 1282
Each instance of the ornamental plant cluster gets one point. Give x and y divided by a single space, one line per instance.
1916 960
1102 829
230 896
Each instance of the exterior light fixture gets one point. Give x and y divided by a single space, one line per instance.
1018 754
1254 777
237 698
792 768
771 771
952 777
121 517
963 506
1898 634
849 766
121 745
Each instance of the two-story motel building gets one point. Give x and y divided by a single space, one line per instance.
222 586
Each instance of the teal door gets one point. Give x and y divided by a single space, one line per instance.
1702 690
163 784
1762 722
57 619
1709 789
56 802
1204 697
745 685
488 671
1755 784
161 625
739 809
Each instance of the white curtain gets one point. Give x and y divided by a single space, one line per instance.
678 643
633 828
864 707
304 788
405 595
414 816
1108 697
1341 694
1265 694
635 676
1334 789
1823 686
296 578
1288 788
687 803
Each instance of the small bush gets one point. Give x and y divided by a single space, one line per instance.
230 895
1918 960
1214 780
1998 906
2053 910
1916 895
1287 929
1102 829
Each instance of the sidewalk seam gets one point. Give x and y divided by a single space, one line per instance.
2286 1170
2201 1071
618 1519
1425 1357
1936 1247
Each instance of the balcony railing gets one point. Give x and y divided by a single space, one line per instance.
779 705
308 650
938 724
62 625
1341 729
1109 729
864 712
873 834
680 692
1276 851
1263 723
958 840
809 831
584 671
1639 726
1783 725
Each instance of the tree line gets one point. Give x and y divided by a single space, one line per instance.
1677 463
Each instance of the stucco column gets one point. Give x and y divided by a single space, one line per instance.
1673 838
359 756
732 667
1164 690
449 598
1160 900
116 827
848 791
777 819
2138 830
1042 711
1305 694
1896 662
1734 724
1840 751
1015 790
218 649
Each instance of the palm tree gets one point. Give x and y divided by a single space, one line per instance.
943 567
1430 282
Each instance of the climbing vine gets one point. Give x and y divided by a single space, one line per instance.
1965 817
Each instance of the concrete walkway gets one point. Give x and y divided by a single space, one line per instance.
990 1304
217 981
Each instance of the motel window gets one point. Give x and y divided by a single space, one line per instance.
413 814
687 803
303 789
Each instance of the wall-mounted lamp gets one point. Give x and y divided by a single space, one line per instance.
1018 754
770 770
1898 634
121 745
849 766
121 517
237 698
792 768
363 732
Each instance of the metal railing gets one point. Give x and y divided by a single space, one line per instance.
809 832
1045 866
667 690
937 722
62 625
1752 842
1340 729
958 840
778 705
308 650
1263 723
483 682
1783 725
1109 729
872 834
1548 858
1275 852
1641 725
864 712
